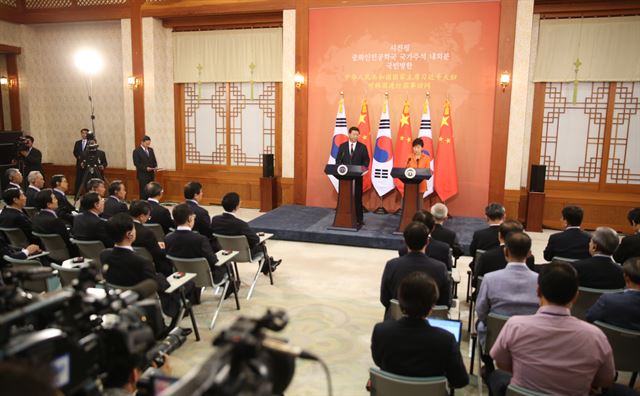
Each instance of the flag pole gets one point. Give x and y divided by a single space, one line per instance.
381 209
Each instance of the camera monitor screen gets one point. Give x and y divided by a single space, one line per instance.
452 326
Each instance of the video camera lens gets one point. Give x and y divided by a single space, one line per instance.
172 341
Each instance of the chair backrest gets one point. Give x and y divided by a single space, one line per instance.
54 244
198 266
387 384
238 243
157 230
143 252
495 322
515 390
586 298
394 309
440 312
16 237
91 250
30 211
478 257
67 275
38 286
565 260
625 344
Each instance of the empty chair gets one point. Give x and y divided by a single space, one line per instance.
586 298
239 243
91 250
387 384
38 286
67 275
30 211
204 278
16 237
54 244
626 348
495 322
157 231
143 252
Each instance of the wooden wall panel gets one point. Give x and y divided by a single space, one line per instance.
302 103
14 92
137 69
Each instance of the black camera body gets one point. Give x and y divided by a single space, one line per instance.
21 144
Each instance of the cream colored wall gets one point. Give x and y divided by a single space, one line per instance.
519 125
127 110
288 91
10 34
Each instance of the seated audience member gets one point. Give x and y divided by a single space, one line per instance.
228 224
140 211
6 249
60 186
410 346
36 182
114 203
12 215
630 245
600 271
88 225
14 176
96 185
193 195
440 212
184 243
495 259
572 242
621 309
487 238
46 221
511 290
415 237
552 352
159 214
435 249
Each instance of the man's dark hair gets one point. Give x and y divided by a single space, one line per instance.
84 130
509 226
231 201
417 294
416 235
425 217
10 194
21 378
518 244
417 142
153 189
30 138
145 138
115 186
118 225
43 198
354 128
573 215
634 216
89 200
181 213
139 208
56 179
94 183
631 268
192 189
494 211
558 283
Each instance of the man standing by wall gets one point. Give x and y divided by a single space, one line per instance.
78 148
146 165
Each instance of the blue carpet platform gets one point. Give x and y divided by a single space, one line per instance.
310 224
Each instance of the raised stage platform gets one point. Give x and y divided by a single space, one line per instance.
310 224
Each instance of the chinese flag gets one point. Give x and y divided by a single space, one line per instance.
446 180
403 145
365 138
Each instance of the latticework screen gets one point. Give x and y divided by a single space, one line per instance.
252 118
624 149
9 3
31 4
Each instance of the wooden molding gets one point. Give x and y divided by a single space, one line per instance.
9 49
536 127
209 22
76 14
585 8
302 103
137 69
178 109
14 91
190 8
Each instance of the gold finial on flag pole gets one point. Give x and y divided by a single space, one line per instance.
342 94
428 94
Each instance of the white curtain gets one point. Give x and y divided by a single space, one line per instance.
608 48
228 55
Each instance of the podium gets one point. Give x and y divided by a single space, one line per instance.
345 218
412 201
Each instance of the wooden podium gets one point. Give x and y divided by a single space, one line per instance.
412 201
345 218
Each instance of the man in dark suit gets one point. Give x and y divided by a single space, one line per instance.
228 224
46 221
600 271
145 162
14 177
572 242
78 149
193 194
140 212
159 214
114 203
630 245
88 225
621 309
32 158
36 182
494 259
415 237
14 252
96 185
93 161
354 153
487 238
435 249
60 186
441 233
12 215
410 346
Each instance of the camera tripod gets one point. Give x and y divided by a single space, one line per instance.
92 171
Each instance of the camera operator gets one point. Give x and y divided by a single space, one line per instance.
124 372
92 151
31 157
